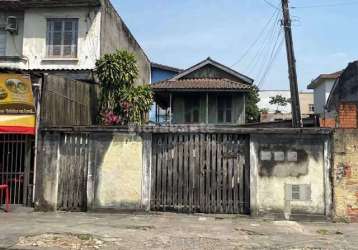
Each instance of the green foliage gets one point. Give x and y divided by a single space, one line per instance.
136 103
280 101
115 72
252 111
120 101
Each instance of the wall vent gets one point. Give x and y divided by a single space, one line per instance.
298 192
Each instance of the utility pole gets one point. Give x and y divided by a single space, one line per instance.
295 100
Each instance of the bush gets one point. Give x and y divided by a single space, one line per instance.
120 102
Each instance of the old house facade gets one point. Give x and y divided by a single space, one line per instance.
206 93
64 37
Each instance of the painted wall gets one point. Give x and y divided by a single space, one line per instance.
306 98
321 94
289 160
34 47
161 75
119 175
345 175
158 75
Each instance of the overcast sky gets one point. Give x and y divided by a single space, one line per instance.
181 33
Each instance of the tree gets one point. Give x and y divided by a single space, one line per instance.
280 101
252 110
120 101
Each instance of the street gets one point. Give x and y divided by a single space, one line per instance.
30 230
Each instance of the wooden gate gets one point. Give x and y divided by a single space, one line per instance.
73 164
199 172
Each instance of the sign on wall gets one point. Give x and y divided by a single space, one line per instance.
17 109
16 94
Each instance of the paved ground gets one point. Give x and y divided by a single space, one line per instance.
171 231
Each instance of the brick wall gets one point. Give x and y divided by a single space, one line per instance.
345 175
347 117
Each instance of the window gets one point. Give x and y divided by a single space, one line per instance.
2 42
224 107
311 107
298 192
62 35
192 107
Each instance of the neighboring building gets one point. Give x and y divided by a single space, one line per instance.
269 111
206 93
342 102
160 72
322 87
64 37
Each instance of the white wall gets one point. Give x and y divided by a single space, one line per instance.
321 94
265 100
34 38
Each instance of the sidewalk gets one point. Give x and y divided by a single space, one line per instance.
28 230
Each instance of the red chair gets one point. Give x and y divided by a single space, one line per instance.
7 196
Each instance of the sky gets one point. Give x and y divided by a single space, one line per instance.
246 35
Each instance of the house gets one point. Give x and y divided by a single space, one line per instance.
64 37
159 73
272 112
343 100
322 87
206 93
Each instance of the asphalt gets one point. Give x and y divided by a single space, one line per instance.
176 231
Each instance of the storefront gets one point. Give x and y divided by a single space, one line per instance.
17 132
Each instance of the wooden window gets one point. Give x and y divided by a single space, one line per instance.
224 107
62 36
311 107
192 109
2 42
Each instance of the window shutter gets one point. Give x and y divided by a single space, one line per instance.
2 42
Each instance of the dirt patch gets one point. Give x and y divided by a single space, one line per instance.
65 241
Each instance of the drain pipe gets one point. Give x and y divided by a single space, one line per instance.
38 112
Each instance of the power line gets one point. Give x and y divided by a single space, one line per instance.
325 5
270 63
268 38
255 41
271 5
261 54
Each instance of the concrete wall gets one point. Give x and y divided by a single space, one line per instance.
321 94
119 175
116 35
88 38
345 175
306 98
285 160
13 45
118 171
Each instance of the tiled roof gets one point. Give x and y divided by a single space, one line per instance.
201 84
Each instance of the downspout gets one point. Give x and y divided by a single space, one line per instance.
37 129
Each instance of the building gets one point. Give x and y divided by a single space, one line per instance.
159 73
206 93
64 37
341 108
272 112
322 87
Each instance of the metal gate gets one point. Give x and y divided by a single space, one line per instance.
198 172
16 167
